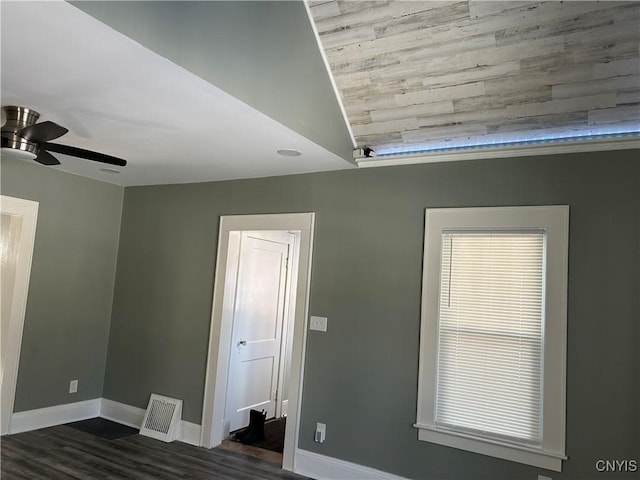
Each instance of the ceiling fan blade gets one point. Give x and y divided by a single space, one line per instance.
42 132
82 153
45 158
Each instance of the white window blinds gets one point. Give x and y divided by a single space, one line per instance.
489 366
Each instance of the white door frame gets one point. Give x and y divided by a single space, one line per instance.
28 210
212 427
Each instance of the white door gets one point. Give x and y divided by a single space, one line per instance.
257 326
17 235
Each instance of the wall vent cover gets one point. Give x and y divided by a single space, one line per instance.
162 418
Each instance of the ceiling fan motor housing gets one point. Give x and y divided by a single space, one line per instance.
23 138
18 118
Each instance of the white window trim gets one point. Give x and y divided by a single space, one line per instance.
555 222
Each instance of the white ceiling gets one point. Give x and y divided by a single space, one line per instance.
119 98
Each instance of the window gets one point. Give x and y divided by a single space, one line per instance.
493 332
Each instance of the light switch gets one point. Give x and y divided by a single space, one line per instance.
318 323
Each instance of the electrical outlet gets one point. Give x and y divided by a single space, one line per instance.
318 323
73 386
542 477
321 430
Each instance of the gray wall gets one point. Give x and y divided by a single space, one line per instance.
361 376
259 52
68 313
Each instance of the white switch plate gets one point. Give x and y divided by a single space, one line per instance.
73 386
318 323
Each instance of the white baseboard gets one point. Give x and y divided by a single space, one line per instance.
98 407
56 415
321 467
133 416
189 433
121 413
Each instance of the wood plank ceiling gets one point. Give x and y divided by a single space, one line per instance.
418 75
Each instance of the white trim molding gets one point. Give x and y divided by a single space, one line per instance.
121 413
56 415
487 152
27 210
553 220
133 416
334 85
189 433
221 327
98 407
514 453
321 467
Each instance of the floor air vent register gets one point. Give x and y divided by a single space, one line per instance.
162 418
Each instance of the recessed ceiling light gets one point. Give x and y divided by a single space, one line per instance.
289 152
109 170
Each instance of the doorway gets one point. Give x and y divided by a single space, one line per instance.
260 291
17 237
215 424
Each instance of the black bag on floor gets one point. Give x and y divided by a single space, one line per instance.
255 431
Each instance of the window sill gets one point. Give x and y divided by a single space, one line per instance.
493 448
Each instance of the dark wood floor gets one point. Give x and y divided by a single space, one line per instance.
273 457
63 452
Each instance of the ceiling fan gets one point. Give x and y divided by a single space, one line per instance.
23 136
